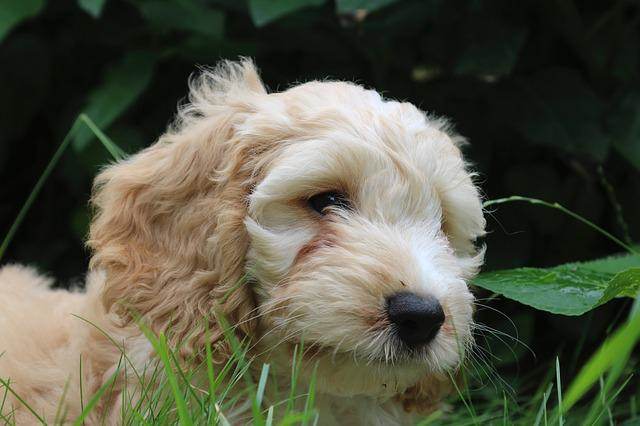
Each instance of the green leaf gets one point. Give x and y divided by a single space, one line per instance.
350 6
92 7
493 50
556 108
570 289
26 69
624 124
265 11
122 85
184 16
12 12
611 264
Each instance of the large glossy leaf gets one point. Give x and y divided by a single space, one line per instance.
186 16
92 7
492 50
12 12
624 123
25 69
570 289
265 11
611 264
348 6
122 85
557 108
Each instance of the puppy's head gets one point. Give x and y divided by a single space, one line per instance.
352 220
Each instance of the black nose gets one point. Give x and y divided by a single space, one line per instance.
417 319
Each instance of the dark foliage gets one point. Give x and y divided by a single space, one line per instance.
547 92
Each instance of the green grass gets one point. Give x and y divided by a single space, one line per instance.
597 392
168 393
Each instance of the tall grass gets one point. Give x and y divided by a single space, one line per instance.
167 393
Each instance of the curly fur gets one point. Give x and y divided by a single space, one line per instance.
211 220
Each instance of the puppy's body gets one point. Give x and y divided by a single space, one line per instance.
322 214
43 342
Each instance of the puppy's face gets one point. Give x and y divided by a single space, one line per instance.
362 238
354 218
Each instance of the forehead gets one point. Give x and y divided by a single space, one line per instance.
342 124
341 136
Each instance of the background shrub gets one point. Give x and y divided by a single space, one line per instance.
547 92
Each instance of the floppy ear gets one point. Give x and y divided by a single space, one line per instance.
168 229
426 396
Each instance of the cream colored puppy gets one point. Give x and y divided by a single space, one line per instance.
323 213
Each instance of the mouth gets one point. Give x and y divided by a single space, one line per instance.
382 349
389 342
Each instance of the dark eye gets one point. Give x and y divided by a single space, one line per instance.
320 202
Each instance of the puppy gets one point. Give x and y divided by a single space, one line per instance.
323 216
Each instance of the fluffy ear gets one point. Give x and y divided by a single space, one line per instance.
426 396
168 228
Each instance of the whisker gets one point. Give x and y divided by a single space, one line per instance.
498 311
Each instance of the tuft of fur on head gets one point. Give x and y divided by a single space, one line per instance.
214 218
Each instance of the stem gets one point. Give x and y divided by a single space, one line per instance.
515 198
611 193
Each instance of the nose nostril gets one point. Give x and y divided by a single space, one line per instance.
416 319
409 324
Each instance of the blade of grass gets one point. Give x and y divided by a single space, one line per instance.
185 379
559 389
606 404
109 145
261 384
115 344
557 206
295 368
4 399
462 398
6 390
505 409
294 418
223 420
103 415
543 405
37 187
616 347
147 385
309 404
161 348
116 152
7 421
269 420
431 418
123 393
60 411
81 390
96 397
210 377
22 401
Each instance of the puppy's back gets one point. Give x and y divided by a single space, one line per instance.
35 339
